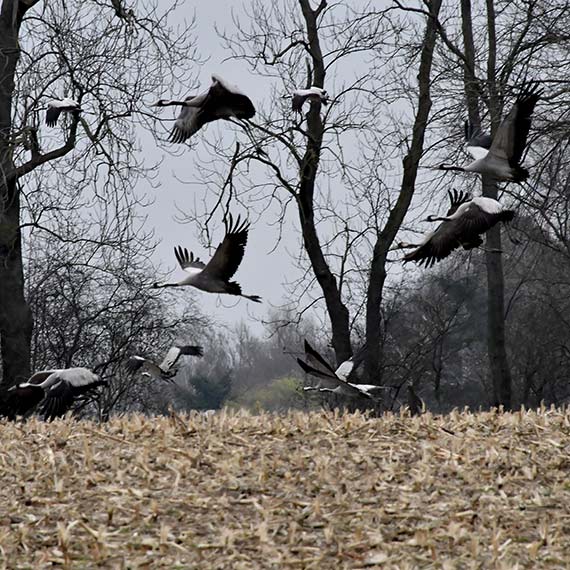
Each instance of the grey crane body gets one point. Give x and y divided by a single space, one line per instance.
501 156
463 225
336 381
58 106
56 390
166 369
221 101
312 95
214 277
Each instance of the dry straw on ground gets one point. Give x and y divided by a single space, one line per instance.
300 491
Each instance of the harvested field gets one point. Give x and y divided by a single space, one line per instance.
315 490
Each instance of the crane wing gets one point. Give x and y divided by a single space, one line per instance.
307 368
526 103
316 360
456 199
58 400
61 396
510 141
52 115
436 246
187 124
175 352
229 253
347 388
170 359
138 363
190 119
191 350
187 261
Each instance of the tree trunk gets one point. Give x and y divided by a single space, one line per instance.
337 311
385 238
496 344
15 315
469 80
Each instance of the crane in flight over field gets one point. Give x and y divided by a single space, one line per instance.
214 277
501 157
336 381
56 390
165 370
463 225
222 101
57 106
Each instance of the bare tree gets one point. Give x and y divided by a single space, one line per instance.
96 310
109 60
303 156
491 48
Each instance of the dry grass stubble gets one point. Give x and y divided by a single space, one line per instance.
317 490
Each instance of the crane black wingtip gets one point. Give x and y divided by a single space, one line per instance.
236 227
176 136
306 368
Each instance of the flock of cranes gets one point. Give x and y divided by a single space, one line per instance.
499 158
52 392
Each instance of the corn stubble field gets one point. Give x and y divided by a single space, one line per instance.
317 490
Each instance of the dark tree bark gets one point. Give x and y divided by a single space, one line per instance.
496 337
469 79
15 315
496 343
337 311
16 321
386 236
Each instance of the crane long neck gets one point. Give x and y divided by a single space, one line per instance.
451 167
173 103
47 383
